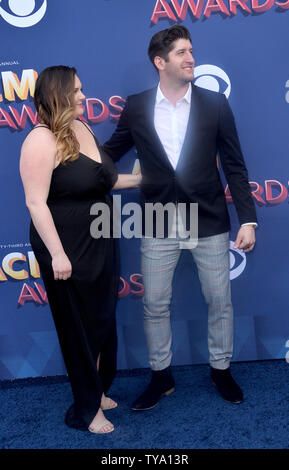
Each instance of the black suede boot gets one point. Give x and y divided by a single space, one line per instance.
161 384
226 385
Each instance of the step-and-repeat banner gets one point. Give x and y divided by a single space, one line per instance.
240 49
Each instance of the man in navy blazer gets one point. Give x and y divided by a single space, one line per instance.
178 129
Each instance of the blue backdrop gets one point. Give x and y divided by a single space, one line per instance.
240 49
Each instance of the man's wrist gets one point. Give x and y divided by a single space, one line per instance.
250 224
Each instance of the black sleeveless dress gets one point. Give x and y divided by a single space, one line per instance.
83 306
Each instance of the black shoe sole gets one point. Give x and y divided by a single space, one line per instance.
165 394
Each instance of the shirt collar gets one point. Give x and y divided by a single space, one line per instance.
160 96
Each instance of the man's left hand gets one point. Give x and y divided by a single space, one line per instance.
246 238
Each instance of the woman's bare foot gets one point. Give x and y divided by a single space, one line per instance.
107 403
100 425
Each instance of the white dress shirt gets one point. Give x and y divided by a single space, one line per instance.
171 124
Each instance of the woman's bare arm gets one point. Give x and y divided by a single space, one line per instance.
127 181
37 163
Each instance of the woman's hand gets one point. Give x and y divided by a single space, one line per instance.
128 181
138 179
61 266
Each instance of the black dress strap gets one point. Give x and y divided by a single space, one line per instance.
87 127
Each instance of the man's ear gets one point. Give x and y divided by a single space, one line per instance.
159 62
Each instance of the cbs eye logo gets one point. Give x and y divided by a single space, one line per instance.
213 78
237 261
287 353
22 12
287 94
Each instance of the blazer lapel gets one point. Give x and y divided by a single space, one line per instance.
191 135
148 109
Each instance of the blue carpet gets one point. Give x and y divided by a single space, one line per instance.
194 417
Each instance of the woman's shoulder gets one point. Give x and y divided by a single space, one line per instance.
40 137
81 124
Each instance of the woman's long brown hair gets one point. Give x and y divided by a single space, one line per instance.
54 103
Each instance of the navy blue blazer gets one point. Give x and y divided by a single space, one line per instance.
211 130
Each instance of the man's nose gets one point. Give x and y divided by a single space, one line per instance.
190 58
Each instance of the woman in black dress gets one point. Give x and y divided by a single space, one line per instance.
64 173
